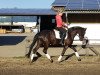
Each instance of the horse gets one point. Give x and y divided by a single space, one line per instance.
47 38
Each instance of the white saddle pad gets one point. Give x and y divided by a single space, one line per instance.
57 34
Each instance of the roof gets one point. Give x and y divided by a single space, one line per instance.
18 19
59 3
78 5
26 12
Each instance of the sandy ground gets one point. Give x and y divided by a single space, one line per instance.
21 66
14 44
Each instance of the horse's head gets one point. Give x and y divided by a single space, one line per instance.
81 33
77 30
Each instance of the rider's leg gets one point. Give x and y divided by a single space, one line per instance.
63 35
62 39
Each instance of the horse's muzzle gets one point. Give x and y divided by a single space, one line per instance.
85 42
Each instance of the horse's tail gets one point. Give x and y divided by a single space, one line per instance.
34 40
32 45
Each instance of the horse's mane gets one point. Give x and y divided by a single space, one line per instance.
74 28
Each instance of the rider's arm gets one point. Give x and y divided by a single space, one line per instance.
65 25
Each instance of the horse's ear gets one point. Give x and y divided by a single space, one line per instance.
85 29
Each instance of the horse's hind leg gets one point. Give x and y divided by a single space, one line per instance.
35 50
76 53
31 47
45 51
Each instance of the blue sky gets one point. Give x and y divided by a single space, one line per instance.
42 4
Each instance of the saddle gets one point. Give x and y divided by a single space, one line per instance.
57 34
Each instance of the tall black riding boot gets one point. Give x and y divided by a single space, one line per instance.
62 39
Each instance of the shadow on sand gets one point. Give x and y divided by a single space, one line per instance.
11 40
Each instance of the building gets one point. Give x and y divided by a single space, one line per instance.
28 18
85 13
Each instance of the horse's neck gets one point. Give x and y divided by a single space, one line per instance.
72 34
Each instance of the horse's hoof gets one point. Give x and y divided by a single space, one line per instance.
51 61
31 61
59 61
79 59
27 55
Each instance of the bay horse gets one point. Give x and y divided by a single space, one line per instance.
47 38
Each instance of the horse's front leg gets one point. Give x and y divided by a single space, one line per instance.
76 53
63 52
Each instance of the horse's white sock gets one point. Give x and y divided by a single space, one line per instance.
48 56
76 53
32 56
60 57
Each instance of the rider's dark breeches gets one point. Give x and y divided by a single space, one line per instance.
62 31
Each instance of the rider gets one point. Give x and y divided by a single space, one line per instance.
60 26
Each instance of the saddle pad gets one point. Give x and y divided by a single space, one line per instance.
57 34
